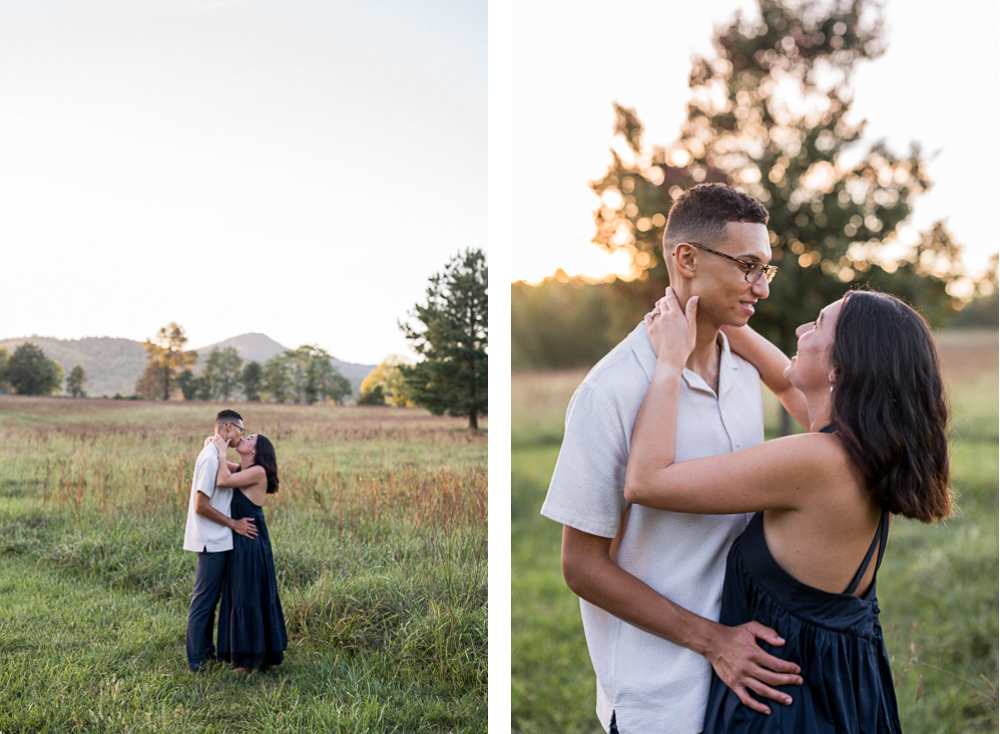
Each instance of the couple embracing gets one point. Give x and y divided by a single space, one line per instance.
727 584
235 567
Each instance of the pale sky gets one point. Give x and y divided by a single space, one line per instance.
298 168
937 84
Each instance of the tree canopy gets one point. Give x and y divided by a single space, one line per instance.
167 358
222 373
303 375
769 115
29 372
452 377
75 382
385 384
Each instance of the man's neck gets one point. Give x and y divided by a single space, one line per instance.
704 359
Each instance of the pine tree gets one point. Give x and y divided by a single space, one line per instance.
452 377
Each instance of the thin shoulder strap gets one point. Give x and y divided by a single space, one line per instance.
881 535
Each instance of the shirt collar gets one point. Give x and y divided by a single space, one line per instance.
643 350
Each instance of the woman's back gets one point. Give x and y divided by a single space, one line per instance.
835 637
823 538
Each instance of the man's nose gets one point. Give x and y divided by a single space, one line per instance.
761 288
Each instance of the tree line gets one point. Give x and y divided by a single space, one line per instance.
450 334
29 372
305 375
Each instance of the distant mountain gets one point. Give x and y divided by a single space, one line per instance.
251 348
113 365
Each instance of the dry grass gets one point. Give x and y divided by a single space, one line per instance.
379 535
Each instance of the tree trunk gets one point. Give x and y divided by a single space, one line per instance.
473 421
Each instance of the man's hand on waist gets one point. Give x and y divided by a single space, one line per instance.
743 666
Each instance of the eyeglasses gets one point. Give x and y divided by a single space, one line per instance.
752 271
241 429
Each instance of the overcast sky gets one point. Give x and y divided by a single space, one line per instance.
937 84
298 168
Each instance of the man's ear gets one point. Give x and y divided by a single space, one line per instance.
684 260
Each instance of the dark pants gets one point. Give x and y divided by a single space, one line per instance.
201 614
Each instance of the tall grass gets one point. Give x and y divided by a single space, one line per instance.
379 537
938 585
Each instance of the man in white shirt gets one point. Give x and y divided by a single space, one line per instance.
650 581
209 533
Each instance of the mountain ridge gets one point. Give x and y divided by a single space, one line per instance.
113 364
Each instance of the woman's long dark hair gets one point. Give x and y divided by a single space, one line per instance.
888 404
266 458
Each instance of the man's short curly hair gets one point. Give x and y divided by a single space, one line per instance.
702 213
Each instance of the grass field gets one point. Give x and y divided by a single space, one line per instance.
938 585
379 537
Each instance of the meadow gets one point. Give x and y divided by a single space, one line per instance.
938 585
380 545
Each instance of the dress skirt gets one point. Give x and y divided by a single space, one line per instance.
251 624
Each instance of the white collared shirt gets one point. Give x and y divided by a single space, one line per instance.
652 685
202 534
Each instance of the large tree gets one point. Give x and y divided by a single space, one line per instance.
769 114
167 359
452 377
222 373
30 372
313 377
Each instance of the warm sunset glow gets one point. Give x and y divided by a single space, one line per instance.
561 84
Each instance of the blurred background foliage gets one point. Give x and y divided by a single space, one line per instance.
769 115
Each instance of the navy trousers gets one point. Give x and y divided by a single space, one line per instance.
208 577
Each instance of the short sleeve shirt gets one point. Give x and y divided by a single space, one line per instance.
201 534
652 685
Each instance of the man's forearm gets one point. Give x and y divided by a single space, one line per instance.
210 513
593 576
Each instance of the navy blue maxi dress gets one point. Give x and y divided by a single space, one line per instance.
251 624
835 638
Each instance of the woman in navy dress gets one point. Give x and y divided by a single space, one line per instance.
251 624
867 386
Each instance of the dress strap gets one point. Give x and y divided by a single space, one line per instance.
881 535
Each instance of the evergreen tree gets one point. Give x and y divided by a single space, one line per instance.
30 372
75 382
452 377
